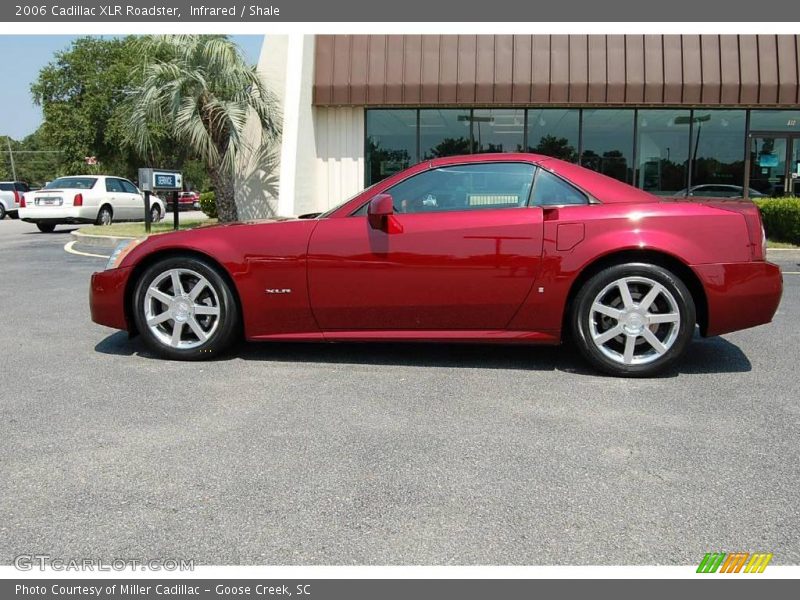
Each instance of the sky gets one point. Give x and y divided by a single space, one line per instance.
21 58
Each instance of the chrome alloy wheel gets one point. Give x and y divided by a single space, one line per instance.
634 320
181 308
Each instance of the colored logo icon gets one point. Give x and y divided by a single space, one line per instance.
734 562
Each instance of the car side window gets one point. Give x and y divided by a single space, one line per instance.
479 186
551 190
112 185
128 187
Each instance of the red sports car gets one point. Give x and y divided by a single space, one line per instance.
501 248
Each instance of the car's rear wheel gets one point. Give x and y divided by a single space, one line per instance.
2 212
105 216
155 214
46 227
185 309
633 320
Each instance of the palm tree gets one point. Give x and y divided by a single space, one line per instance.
200 91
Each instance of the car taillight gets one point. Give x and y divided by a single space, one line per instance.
22 201
755 229
78 200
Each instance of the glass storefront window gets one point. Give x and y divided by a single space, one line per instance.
391 144
554 132
498 129
718 152
663 149
775 120
608 142
444 132
398 138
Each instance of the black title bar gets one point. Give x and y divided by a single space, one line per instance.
455 11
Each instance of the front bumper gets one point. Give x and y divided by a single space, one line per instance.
107 298
740 295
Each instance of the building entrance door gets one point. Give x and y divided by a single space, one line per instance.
774 165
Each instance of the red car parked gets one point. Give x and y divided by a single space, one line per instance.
186 201
507 248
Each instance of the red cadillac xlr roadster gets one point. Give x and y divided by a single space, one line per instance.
498 248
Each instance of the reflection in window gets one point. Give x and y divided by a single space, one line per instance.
465 187
498 129
775 120
608 142
444 132
768 165
551 190
663 148
554 132
718 151
391 144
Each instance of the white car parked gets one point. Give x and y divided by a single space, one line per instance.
99 199
10 196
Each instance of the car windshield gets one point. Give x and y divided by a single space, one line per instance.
74 183
330 211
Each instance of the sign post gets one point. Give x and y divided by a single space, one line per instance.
165 180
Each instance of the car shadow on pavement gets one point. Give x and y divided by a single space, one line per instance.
704 355
56 232
712 355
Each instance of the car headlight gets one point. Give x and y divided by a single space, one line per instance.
120 252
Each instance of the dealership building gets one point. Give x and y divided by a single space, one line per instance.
711 115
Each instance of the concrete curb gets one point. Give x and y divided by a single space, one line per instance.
106 242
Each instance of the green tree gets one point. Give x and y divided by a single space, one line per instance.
200 90
81 92
34 161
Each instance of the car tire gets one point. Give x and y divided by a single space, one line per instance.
46 227
105 216
159 309
155 214
2 212
638 332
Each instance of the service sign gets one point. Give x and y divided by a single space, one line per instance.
167 181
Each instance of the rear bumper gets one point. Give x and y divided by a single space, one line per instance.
59 214
740 295
107 298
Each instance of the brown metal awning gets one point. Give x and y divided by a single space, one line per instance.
591 70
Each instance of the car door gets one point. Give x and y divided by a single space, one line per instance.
464 254
116 197
133 199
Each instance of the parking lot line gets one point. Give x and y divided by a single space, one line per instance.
68 248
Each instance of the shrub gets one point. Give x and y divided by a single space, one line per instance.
208 204
781 218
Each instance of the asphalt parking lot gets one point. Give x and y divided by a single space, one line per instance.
380 454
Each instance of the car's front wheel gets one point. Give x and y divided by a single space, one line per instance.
633 320
185 309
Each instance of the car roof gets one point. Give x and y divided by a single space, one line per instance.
603 188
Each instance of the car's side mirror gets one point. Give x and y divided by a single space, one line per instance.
380 214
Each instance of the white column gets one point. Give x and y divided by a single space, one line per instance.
297 144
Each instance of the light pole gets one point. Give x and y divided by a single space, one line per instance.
11 156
